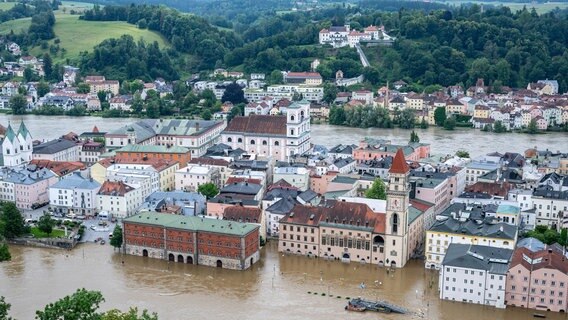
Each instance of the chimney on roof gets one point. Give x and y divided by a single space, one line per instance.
197 126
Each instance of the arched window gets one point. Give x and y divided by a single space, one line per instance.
395 223
291 118
240 140
229 139
264 142
252 142
276 143
292 132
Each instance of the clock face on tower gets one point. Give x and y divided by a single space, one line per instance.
395 204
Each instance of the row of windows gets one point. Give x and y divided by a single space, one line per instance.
298 245
346 242
551 301
264 142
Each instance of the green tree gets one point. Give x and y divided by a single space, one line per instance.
237 110
414 137
83 88
234 93
275 77
28 74
132 314
14 225
450 123
551 236
47 66
440 116
4 256
462 154
4 308
18 104
209 190
116 240
406 119
563 239
206 114
102 95
498 127
81 305
46 223
337 116
377 190
423 124
532 128
42 88
329 92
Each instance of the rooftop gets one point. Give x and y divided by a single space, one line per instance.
191 223
491 259
54 146
135 148
258 124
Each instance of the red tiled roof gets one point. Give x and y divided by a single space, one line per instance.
303 75
60 168
233 180
494 189
115 188
209 161
258 124
242 214
421 205
550 259
158 164
399 164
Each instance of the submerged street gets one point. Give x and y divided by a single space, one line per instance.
275 288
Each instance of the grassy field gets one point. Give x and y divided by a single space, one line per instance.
78 35
67 6
6 5
56 233
16 25
539 7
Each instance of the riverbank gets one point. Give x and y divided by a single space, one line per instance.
442 142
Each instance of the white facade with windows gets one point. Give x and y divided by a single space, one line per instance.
475 274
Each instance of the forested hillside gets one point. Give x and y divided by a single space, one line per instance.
444 47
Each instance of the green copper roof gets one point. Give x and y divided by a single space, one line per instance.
192 223
152 149
10 135
23 130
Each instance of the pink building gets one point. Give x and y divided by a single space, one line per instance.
537 280
371 151
31 188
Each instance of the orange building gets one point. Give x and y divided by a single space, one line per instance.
172 153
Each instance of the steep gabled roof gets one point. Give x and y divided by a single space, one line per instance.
258 124
399 164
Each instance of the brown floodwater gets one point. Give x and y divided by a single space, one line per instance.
275 288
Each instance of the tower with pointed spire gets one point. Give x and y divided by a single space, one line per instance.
17 147
26 142
396 231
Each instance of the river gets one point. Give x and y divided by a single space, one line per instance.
442 141
275 288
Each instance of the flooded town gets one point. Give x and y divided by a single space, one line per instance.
352 173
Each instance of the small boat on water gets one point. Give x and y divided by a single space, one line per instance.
361 305
539 315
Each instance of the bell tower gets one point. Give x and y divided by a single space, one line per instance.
396 231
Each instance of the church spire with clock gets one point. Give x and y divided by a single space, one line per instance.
396 232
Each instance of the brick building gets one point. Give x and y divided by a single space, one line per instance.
136 152
193 240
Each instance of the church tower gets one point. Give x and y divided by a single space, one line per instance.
396 232
26 143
